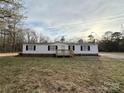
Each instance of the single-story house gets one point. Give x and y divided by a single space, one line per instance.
60 49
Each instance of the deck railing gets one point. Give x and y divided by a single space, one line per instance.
64 52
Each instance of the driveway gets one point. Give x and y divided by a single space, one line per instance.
8 54
113 55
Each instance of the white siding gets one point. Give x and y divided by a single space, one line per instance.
93 49
43 49
40 49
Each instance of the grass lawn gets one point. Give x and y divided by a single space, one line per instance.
61 75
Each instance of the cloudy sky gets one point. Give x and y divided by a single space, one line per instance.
74 18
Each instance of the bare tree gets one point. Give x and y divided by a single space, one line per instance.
31 36
10 17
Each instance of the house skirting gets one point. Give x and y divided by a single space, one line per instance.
52 55
86 54
37 55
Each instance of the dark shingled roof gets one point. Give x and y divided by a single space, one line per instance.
63 43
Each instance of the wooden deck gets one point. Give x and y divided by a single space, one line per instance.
65 53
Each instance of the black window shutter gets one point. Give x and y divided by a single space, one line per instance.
56 47
69 47
34 47
26 47
81 48
48 48
73 47
88 48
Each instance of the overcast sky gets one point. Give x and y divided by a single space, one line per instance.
74 18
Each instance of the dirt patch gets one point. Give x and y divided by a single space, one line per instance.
113 55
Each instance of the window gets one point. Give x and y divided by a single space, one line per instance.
85 48
52 48
71 47
30 47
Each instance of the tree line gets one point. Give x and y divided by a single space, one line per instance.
10 21
112 42
12 32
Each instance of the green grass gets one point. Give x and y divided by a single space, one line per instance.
61 75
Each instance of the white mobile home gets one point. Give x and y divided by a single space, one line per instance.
60 49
